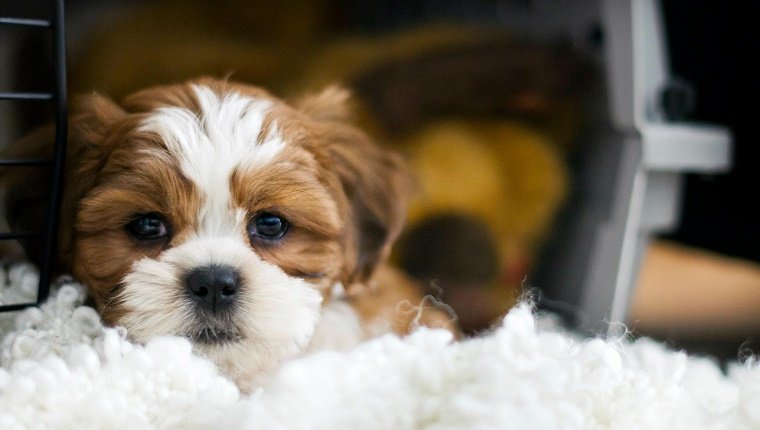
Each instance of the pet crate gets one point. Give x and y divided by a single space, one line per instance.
631 177
52 27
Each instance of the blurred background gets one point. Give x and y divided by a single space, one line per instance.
503 110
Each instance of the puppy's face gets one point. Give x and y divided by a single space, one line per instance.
214 211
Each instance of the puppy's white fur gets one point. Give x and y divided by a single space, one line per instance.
276 314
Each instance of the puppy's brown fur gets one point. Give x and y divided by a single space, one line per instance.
344 196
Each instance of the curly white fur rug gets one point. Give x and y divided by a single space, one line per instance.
62 369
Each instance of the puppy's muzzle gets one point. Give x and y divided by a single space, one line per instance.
213 288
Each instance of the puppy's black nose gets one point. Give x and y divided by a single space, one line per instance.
213 287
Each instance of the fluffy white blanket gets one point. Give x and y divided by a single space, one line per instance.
62 369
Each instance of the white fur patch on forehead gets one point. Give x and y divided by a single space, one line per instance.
226 131
210 144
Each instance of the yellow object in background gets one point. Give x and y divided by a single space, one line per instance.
508 174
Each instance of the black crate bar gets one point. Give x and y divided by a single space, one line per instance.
58 96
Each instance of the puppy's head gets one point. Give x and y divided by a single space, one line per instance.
215 211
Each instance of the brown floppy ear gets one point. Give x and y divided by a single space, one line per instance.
374 180
90 126
27 190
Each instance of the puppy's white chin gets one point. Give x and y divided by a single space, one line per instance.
275 315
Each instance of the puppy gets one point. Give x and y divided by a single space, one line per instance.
254 227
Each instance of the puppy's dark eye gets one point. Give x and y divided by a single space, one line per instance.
148 227
265 225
